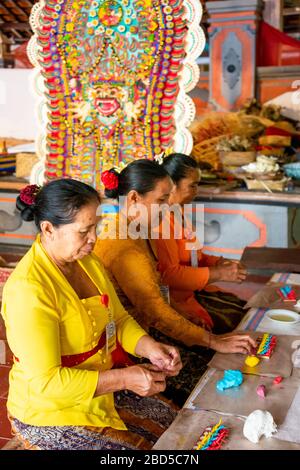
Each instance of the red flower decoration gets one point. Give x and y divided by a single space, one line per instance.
110 180
104 300
29 193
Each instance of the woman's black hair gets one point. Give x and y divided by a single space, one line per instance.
178 165
140 175
58 202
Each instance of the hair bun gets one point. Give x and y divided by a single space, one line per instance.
25 202
26 211
27 214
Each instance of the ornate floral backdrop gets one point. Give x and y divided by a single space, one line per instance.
113 77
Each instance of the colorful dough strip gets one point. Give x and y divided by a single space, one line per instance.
212 438
287 293
267 345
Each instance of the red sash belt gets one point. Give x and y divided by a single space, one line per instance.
119 357
75 359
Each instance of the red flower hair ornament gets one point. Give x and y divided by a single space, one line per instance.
110 180
29 193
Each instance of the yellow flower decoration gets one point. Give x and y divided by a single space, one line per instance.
153 26
69 27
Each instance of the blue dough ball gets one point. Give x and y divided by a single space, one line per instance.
232 378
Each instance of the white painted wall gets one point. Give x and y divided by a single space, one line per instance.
18 116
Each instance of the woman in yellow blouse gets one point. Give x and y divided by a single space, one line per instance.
66 329
126 251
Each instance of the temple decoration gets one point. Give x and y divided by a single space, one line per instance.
234 37
112 76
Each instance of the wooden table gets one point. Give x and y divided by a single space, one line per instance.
11 183
272 259
175 437
217 194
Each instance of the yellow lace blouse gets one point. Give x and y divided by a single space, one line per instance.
45 320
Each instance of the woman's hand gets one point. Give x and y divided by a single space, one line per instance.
144 380
233 343
165 357
227 270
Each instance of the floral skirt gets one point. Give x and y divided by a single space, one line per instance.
145 417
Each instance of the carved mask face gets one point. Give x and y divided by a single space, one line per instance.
107 99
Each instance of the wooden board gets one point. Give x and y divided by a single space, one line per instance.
272 259
12 183
189 425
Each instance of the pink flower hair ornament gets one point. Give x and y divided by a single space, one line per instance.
29 193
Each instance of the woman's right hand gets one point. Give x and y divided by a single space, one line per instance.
233 343
227 270
144 380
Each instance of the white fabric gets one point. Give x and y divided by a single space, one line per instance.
290 104
289 430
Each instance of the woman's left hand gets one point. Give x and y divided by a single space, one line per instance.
165 357
230 270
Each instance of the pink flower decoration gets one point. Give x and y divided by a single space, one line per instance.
29 193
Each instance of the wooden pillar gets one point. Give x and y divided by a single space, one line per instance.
6 58
273 13
232 41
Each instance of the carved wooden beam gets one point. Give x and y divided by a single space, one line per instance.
9 25
4 11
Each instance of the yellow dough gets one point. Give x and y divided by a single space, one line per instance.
252 361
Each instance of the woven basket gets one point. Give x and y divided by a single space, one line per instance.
266 185
25 162
205 151
237 158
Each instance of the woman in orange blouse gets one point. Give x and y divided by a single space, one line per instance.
190 273
130 258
